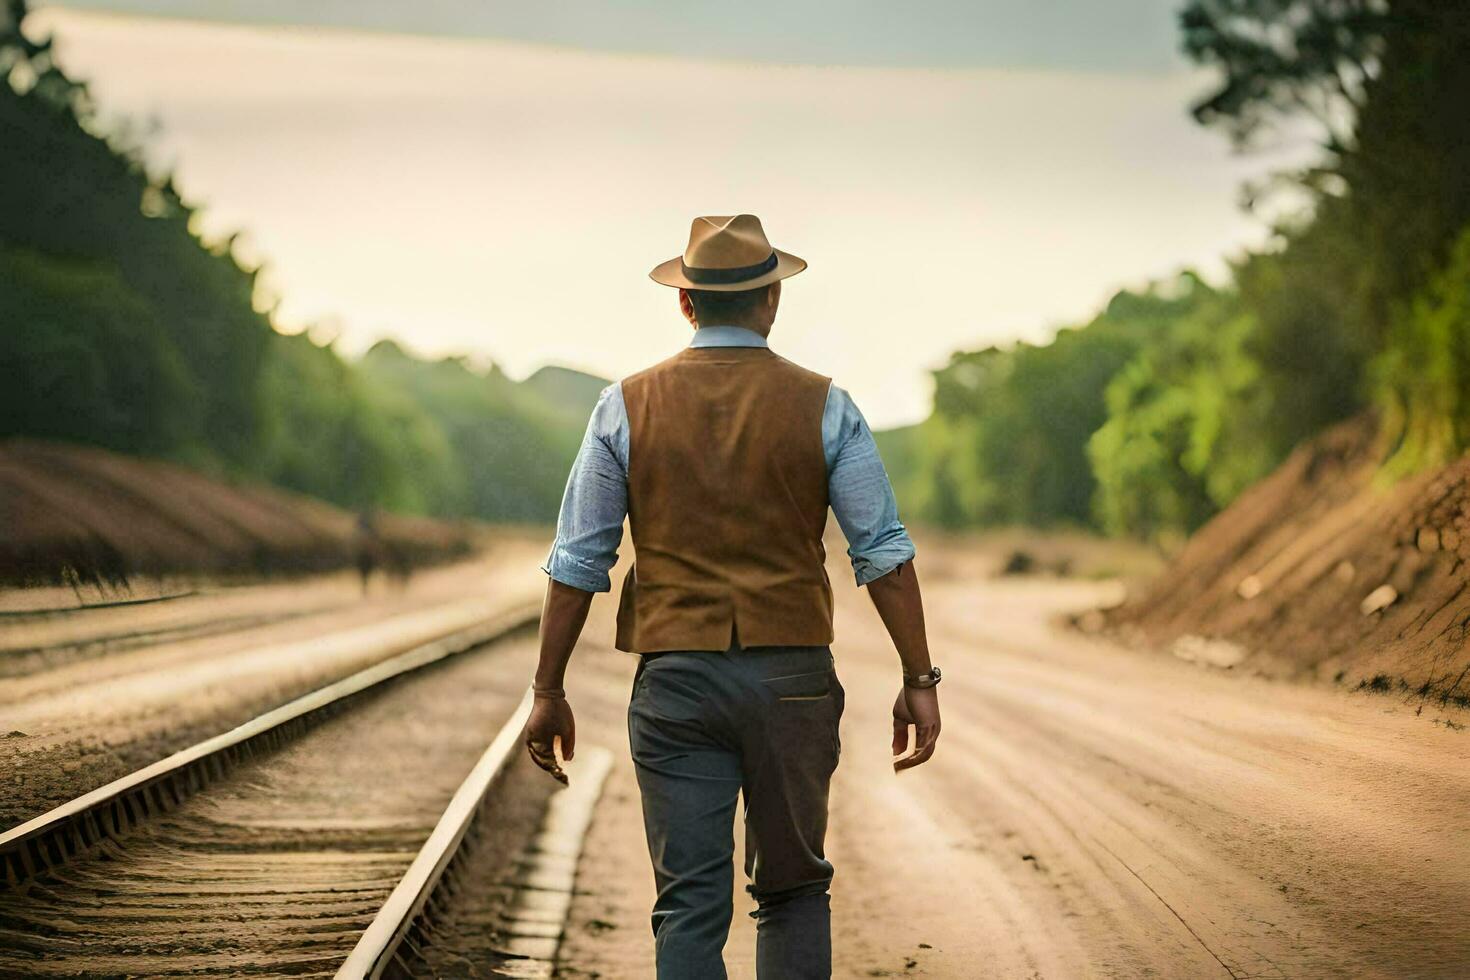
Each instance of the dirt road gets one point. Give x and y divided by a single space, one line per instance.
1092 812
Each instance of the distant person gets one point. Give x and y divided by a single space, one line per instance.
726 457
397 566
368 546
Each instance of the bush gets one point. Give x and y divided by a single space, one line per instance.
1184 421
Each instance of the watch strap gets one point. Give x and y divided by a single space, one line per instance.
930 678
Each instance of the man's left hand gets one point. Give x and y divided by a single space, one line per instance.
918 707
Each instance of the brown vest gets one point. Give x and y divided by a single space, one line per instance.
727 501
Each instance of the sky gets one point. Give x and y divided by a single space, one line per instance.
1076 34
499 181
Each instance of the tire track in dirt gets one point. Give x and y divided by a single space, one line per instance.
1096 812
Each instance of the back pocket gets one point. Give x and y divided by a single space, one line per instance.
811 686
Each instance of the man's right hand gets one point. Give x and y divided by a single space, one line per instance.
919 707
551 719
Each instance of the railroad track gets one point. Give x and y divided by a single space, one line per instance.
40 639
404 939
47 612
311 840
21 660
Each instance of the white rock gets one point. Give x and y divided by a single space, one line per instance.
1208 652
1379 599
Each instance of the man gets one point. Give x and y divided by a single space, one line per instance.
725 458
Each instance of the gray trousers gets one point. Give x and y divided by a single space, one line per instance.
704 727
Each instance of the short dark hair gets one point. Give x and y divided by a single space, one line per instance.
712 307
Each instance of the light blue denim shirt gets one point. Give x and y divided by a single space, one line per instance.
590 526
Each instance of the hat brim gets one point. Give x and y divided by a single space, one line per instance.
671 273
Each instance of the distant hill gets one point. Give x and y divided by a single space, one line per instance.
899 450
509 444
572 392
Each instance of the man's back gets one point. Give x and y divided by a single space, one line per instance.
727 499
724 459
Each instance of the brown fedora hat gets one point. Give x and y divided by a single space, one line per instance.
727 253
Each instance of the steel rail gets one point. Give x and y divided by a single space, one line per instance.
376 947
115 642
43 612
111 811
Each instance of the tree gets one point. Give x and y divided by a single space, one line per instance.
82 361
68 193
1424 375
1185 428
1008 440
1286 58
121 327
1386 83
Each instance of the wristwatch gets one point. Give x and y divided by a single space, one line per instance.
931 679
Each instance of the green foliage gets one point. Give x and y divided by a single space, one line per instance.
1280 58
1361 301
568 393
1143 422
67 193
1386 83
333 434
429 437
899 450
120 327
1184 422
1007 443
81 358
1424 374
512 447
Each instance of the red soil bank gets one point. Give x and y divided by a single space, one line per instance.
1323 571
75 513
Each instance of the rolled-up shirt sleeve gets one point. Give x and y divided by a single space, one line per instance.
590 525
860 492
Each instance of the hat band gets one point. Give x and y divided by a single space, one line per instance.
724 277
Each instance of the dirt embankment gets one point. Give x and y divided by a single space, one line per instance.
1323 571
79 515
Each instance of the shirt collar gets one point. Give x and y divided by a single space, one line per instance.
723 336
